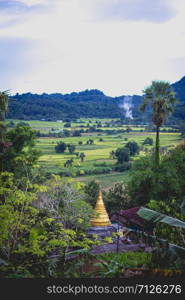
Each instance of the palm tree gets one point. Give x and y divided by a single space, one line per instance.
161 97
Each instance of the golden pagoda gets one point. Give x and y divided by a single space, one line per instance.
101 219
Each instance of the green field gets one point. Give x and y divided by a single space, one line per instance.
106 180
97 154
46 126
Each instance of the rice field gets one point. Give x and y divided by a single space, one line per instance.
97 154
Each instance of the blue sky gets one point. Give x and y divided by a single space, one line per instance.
117 46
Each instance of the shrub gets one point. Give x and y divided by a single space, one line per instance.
66 173
80 172
102 164
133 148
148 141
61 147
122 167
71 148
96 171
67 125
122 155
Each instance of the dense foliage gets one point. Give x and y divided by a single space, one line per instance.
60 147
30 234
89 103
160 97
165 183
40 223
44 220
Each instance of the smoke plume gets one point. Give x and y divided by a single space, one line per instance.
127 106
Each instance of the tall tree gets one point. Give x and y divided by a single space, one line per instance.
161 98
4 97
82 156
122 155
3 104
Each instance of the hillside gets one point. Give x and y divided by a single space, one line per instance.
179 88
88 103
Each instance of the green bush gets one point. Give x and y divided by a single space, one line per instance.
66 173
148 141
122 167
113 264
100 170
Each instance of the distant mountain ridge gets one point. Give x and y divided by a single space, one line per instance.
88 103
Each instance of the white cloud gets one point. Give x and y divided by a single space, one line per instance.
71 51
151 11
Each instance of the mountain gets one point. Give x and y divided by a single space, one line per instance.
88 103
179 88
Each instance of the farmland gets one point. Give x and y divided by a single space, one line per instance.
97 163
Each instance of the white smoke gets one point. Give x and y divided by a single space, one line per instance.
127 106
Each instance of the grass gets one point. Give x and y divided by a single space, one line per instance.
46 126
106 180
97 153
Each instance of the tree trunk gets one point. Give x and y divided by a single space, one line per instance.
157 147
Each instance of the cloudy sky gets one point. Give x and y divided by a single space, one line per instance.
117 46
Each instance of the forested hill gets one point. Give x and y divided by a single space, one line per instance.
179 88
88 103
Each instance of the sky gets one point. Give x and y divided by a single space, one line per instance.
116 46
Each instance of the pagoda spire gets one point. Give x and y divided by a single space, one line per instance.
101 218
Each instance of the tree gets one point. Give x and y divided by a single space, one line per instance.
66 133
143 186
77 154
116 198
161 97
92 189
71 148
68 163
67 199
20 154
31 234
82 156
133 148
148 141
21 136
122 155
67 125
17 152
4 98
112 154
61 147
90 142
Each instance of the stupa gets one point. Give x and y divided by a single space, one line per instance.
100 222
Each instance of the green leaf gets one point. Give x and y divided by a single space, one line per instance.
154 217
